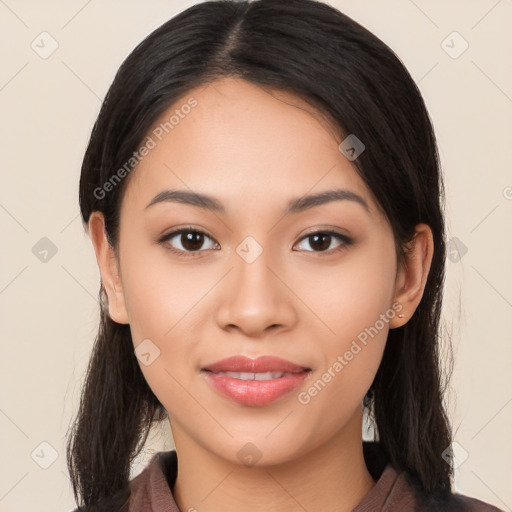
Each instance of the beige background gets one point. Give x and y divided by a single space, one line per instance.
49 312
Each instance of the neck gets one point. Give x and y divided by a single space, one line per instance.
331 477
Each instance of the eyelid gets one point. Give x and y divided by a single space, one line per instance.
325 230
184 229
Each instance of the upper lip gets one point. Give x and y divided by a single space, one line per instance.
260 365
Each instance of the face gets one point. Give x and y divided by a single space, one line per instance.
256 272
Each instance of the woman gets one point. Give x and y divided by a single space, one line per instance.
263 193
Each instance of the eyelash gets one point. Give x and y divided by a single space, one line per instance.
187 254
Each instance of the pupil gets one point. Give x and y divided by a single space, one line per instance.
325 241
192 241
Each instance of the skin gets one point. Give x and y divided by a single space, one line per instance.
254 150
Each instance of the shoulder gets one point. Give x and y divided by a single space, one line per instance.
399 491
447 503
458 503
118 502
153 480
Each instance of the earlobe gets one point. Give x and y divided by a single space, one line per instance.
412 275
109 268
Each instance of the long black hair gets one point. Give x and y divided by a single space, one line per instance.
347 73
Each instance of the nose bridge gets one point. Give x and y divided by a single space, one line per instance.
255 299
253 277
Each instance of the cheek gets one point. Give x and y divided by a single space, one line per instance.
352 304
161 309
165 304
162 297
350 358
349 297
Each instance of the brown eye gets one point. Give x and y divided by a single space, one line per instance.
322 241
192 241
186 241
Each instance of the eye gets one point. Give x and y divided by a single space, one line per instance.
322 241
186 241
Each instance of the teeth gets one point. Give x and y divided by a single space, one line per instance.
253 376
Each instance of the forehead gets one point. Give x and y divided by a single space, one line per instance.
239 139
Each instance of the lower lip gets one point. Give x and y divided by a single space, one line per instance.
255 392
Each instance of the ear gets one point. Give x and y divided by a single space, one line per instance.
109 268
412 274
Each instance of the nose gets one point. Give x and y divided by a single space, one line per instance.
255 300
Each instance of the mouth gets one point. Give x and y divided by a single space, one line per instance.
255 382
263 365
257 376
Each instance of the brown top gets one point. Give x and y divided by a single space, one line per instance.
393 492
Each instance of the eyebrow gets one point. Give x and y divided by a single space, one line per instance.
297 205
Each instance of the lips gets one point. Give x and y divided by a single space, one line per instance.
255 382
263 364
